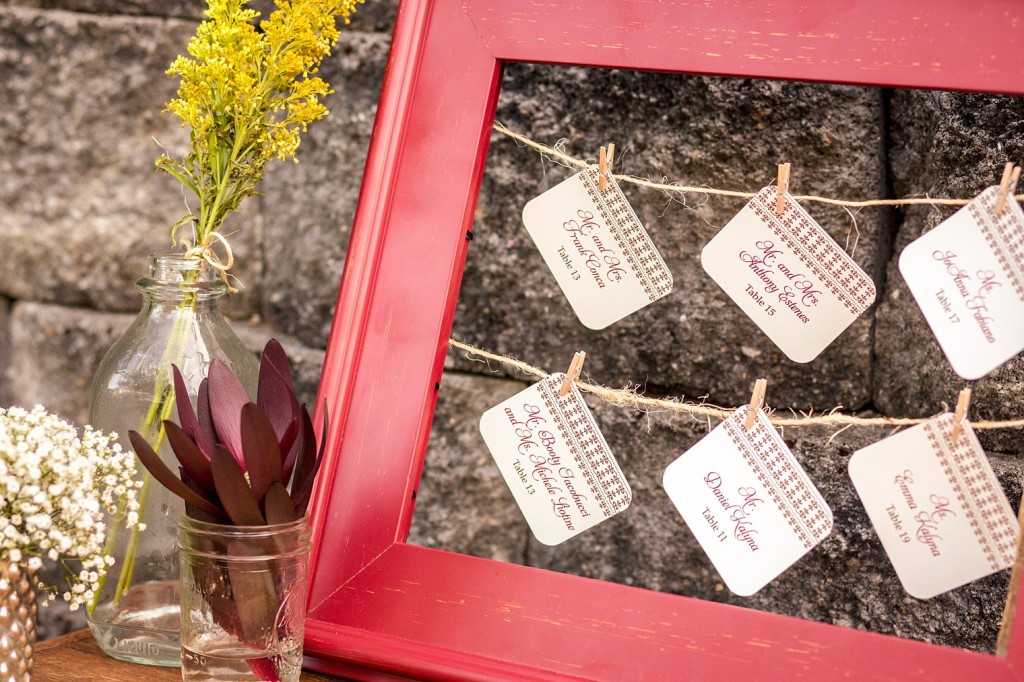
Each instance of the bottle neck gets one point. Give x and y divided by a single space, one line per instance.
174 279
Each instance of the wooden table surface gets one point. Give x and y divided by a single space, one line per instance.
75 657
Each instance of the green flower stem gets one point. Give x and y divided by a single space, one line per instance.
159 410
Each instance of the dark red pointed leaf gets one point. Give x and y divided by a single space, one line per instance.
302 489
306 456
192 460
274 355
227 398
165 477
290 444
186 416
204 416
234 492
277 506
261 451
195 512
274 394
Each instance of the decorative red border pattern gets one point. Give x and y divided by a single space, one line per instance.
381 609
1004 233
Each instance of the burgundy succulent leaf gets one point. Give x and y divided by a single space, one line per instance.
302 487
289 450
187 417
191 458
227 398
204 415
277 506
239 459
274 356
261 451
274 393
161 473
233 490
306 457
196 512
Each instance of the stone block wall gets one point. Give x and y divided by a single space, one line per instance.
83 87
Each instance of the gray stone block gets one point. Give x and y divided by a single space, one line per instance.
375 15
83 207
723 133
165 8
55 351
308 208
6 349
944 145
463 504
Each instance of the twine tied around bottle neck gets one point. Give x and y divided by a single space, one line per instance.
205 251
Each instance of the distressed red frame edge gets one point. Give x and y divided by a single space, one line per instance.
366 583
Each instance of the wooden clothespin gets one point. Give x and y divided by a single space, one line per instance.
1008 185
1014 179
756 400
607 160
575 367
960 416
782 185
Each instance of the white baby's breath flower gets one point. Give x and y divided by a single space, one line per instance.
54 489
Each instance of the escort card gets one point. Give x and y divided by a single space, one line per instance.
555 460
600 254
936 505
788 275
748 502
967 276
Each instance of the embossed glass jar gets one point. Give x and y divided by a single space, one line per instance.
243 600
136 613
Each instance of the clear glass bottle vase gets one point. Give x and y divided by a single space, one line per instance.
136 613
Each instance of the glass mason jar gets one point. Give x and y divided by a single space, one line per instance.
243 600
135 615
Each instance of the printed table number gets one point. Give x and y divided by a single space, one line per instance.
555 460
599 252
788 275
748 502
936 506
967 276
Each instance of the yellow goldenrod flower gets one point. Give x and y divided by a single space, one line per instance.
246 93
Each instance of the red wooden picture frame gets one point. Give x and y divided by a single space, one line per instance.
383 609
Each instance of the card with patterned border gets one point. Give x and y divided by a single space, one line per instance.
748 502
935 504
967 276
599 252
784 271
555 460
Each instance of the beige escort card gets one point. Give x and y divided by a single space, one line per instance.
599 252
935 504
967 276
748 502
788 275
555 460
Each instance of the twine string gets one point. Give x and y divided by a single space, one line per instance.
205 251
568 161
630 398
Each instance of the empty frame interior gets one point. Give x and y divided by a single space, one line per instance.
382 609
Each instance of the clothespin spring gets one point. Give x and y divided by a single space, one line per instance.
575 368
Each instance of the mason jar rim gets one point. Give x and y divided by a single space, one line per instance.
224 533
201 527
